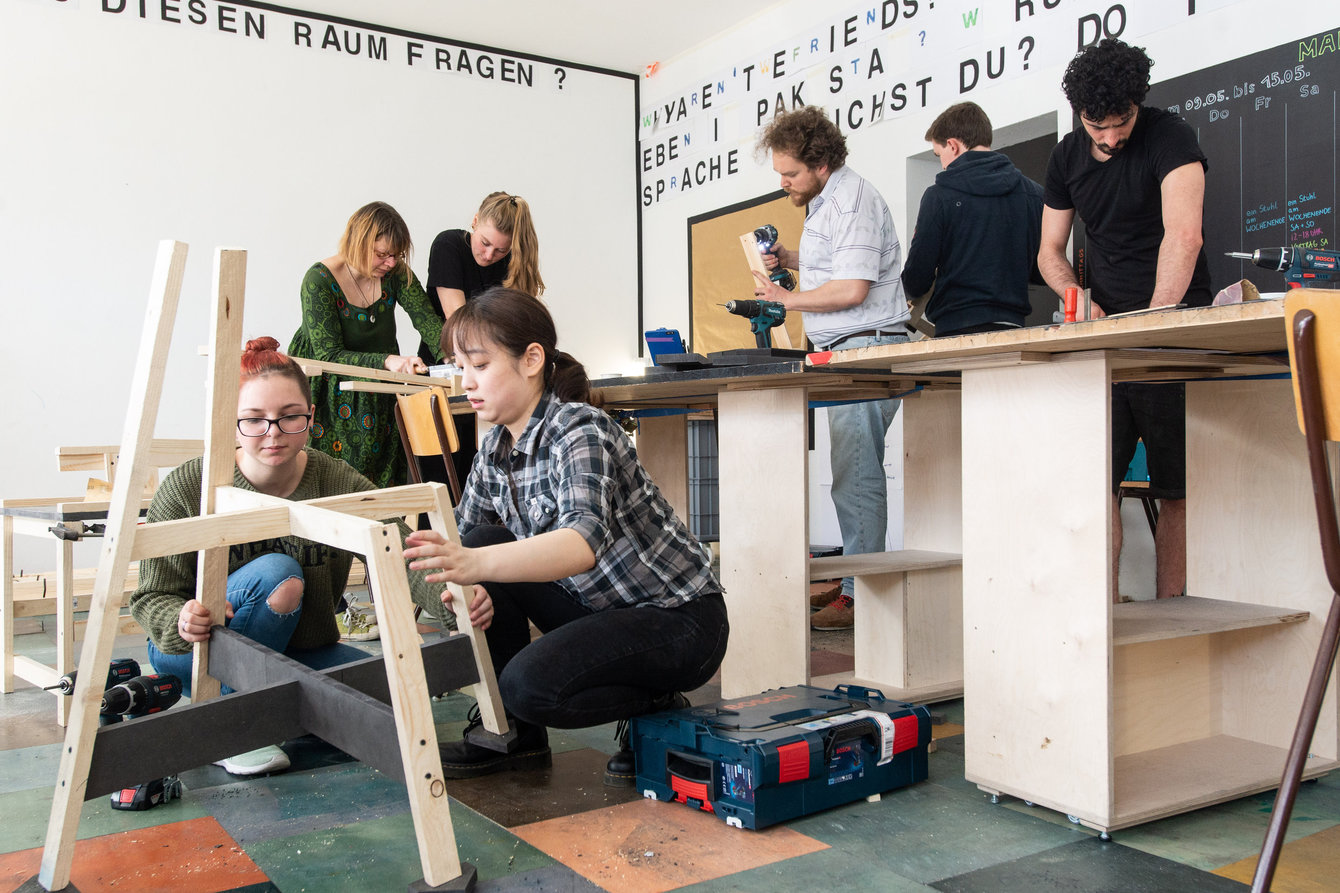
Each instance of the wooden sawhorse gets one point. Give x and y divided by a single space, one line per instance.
277 697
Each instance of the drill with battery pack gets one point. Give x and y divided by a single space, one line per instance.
1302 267
763 316
766 236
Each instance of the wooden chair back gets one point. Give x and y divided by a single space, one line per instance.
426 429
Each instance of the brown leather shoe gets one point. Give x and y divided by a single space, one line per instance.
840 614
825 597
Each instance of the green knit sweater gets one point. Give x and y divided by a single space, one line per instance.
165 584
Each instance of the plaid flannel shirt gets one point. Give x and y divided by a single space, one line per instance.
574 467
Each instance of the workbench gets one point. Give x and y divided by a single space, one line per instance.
909 615
1117 715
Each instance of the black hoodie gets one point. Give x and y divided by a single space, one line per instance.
977 239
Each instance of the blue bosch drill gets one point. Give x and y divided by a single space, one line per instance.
1302 267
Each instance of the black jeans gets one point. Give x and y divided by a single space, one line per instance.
593 667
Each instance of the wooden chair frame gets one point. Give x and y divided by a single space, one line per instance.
426 429
349 706
1320 424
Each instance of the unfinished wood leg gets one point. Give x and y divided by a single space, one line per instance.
146 390
65 619
6 604
413 710
765 538
225 330
485 691
1036 583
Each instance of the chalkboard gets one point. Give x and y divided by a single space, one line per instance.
1267 124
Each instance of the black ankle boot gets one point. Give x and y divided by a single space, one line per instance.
621 770
464 759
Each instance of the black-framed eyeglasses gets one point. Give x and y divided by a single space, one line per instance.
288 424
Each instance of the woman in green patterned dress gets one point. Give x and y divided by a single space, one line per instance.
348 316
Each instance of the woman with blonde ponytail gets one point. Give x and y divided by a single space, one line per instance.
500 248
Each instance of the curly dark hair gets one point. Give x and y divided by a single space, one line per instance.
1106 79
808 135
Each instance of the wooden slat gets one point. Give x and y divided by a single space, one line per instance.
313 367
1250 327
225 336
146 391
833 566
1172 618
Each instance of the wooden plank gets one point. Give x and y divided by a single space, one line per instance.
831 567
323 367
35 672
1171 618
187 534
1251 327
383 387
191 735
163 453
764 514
146 390
1037 581
752 256
662 447
485 692
1175 779
415 729
373 505
221 390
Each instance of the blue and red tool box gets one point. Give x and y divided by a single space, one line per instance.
789 752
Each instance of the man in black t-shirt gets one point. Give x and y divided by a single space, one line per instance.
1136 177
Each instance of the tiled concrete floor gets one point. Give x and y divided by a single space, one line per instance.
333 824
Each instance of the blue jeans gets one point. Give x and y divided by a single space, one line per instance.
249 588
856 434
593 667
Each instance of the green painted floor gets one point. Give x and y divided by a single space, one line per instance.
333 824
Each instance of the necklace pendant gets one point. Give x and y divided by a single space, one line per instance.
372 317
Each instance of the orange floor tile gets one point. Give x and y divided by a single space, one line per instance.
648 847
1308 865
195 856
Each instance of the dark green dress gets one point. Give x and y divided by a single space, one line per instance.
351 425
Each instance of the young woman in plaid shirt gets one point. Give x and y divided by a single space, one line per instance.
562 527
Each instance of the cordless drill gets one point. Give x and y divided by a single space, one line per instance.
121 669
142 696
1302 267
762 316
766 236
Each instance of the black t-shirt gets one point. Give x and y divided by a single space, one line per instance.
1121 205
451 265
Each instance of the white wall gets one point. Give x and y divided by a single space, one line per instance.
120 131
1178 43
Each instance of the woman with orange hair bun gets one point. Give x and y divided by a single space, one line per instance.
282 592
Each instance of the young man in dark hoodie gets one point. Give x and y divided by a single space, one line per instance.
977 232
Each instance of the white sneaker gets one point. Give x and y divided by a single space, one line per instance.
260 761
357 625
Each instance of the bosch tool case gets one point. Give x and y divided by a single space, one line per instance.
789 752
